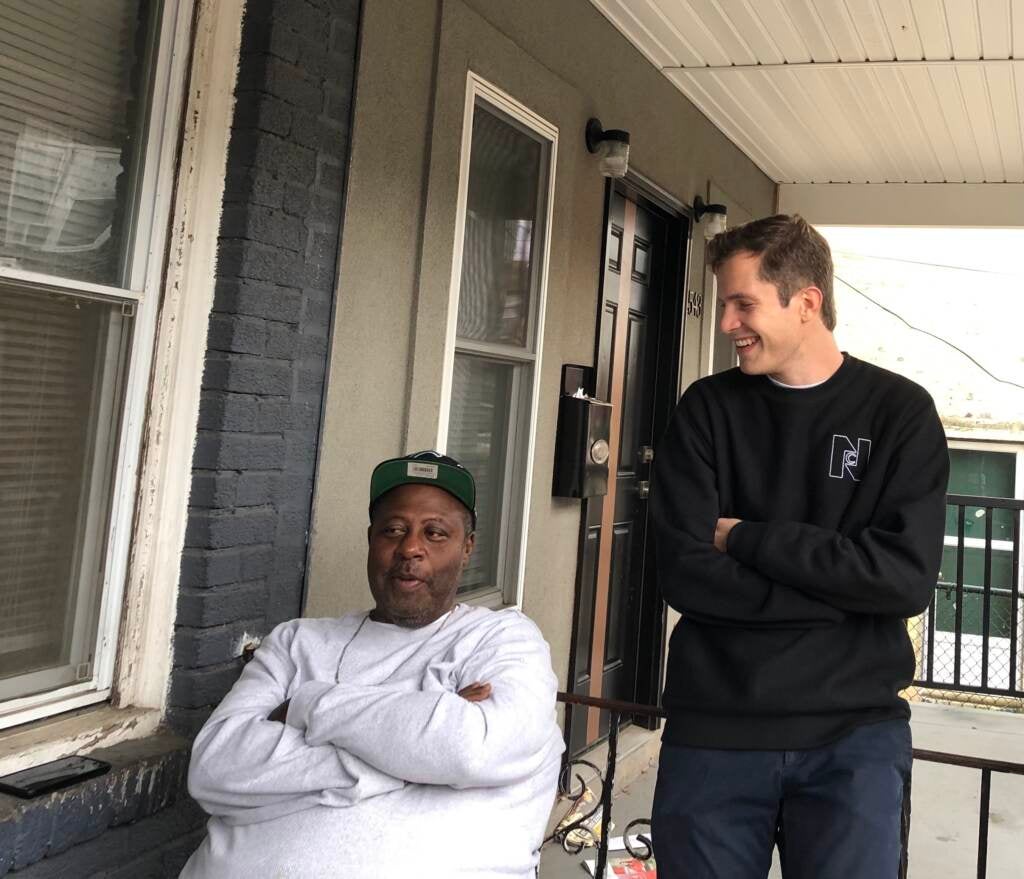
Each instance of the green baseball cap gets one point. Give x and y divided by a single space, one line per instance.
426 468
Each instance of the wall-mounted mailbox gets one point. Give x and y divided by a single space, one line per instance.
581 441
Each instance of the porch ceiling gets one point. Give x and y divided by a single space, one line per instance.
848 91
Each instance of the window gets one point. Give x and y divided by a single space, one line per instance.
499 286
78 81
980 470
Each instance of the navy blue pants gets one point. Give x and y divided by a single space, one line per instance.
834 811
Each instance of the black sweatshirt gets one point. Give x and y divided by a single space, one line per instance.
797 634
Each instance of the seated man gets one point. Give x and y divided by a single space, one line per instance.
418 739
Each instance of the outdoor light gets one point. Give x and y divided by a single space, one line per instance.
611 147
716 222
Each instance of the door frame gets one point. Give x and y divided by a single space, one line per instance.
651 635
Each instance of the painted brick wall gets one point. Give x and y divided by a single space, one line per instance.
244 564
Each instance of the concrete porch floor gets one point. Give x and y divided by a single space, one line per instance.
944 824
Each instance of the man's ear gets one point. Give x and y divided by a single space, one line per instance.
467 548
811 299
369 532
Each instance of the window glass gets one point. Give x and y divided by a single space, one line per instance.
481 403
62 364
982 474
498 256
504 239
70 110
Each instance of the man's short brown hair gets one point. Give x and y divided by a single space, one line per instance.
793 255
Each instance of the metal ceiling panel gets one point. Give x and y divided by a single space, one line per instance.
930 22
779 24
904 35
1017 27
866 91
996 28
752 30
1008 121
962 22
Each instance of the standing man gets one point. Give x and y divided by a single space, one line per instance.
799 504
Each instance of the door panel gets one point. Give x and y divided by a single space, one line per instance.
639 250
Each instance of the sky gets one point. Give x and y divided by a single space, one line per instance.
965 287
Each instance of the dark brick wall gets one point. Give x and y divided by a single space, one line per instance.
243 570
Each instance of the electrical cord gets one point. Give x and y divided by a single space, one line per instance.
903 320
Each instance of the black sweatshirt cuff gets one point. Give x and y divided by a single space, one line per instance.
744 542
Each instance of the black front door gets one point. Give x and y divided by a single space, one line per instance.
619 613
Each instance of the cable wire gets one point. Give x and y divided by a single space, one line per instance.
919 262
903 320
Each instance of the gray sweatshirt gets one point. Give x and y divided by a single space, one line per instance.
381 766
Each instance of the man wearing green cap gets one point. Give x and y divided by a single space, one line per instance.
417 738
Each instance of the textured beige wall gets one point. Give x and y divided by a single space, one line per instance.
567 63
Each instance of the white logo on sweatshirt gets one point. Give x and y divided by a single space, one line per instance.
847 459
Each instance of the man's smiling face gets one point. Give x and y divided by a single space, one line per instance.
419 546
766 334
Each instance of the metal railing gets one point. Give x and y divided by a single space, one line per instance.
981 654
618 710
562 835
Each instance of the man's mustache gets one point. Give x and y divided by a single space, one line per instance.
405 572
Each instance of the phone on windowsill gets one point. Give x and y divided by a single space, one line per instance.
47 777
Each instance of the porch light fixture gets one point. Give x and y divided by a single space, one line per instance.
611 147
716 222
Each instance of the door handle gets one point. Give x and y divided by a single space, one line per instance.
643 489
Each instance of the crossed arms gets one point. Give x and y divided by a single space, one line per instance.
344 742
783 574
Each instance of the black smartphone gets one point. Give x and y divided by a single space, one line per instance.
47 777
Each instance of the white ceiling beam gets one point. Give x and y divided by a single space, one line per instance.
852 65
983 205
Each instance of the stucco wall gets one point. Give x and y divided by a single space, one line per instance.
566 63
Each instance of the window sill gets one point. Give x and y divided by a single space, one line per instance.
146 776
74 732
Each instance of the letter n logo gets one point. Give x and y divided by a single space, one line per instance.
847 459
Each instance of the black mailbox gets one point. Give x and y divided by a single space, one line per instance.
581 441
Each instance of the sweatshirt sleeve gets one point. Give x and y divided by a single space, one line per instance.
432 737
890 567
696 579
247 769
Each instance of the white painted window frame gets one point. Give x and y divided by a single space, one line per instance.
144 269
191 181
515 503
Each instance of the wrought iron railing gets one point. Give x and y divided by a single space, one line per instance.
969 639
606 779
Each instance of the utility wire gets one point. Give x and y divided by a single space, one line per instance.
903 320
934 265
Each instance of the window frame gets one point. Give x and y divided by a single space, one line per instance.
148 215
511 546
